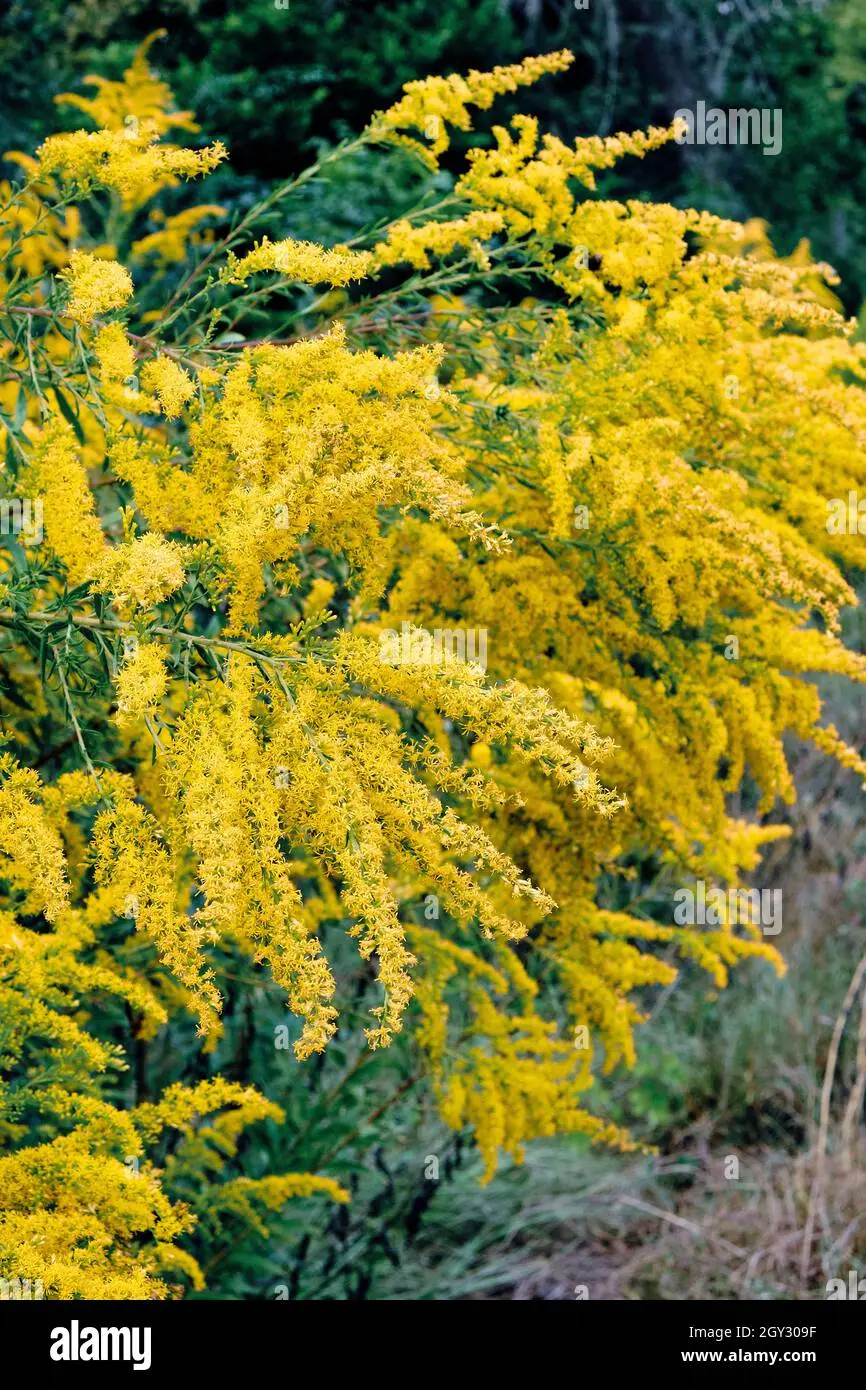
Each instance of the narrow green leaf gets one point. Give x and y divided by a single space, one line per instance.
69 414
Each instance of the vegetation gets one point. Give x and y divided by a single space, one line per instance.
275 853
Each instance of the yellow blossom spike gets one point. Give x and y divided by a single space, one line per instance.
141 684
432 104
300 260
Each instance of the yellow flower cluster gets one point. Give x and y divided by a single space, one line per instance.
415 245
142 573
57 475
96 286
83 1210
707 576
299 260
32 852
115 354
141 95
529 182
33 237
131 163
519 1081
434 103
141 684
276 455
174 236
123 153
170 383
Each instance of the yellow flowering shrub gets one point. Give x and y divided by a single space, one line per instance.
612 491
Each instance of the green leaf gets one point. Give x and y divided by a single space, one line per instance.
69 414
80 591
11 455
50 630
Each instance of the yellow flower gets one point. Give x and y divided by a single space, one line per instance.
114 353
177 234
416 244
96 286
131 163
321 592
139 96
57 474
169 382
434 103
141 684
302 261
32 851
143 572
